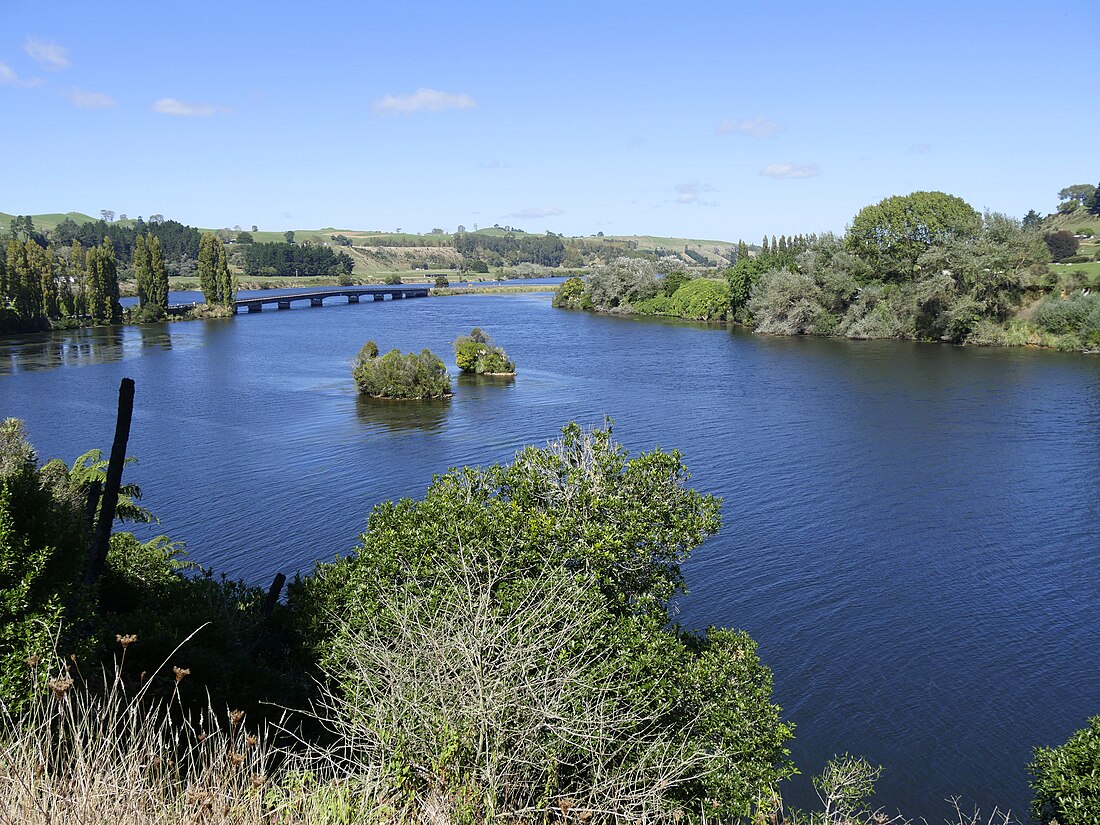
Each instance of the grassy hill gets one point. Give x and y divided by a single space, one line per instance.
49 220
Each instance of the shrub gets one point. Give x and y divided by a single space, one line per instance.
1076 259
43 554
393 375
701 299
393 279
546 584
1061 244
476 353
571 295
787 303
1078 315
1066 781
441 282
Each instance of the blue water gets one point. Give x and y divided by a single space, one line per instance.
911 531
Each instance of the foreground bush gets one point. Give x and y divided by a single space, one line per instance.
1066 779
394 375
504 646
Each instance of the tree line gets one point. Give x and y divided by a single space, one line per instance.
43 286
290 259
511 249
39 290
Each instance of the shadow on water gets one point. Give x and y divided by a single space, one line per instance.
469 380
155 336
399 416
47 351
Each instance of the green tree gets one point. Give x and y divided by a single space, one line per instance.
158 274
1080 193
1033 219
591 538
288 236
41 263
892 234
1062 244
102 272
208 267
143 274
1066 779
226 283
1093 204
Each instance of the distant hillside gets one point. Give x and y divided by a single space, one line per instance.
376 252
47 221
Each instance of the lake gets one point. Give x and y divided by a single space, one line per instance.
911 531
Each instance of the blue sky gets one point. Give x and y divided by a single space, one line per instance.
700 119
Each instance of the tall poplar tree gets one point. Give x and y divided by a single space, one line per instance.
158 273
103 280
208 263
742 251
77 273
142 270
26 286
227 288
40 265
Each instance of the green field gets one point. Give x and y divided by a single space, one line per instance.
49 220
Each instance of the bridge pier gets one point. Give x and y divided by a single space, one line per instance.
379 297
353 299
316 302
284 304
398 295
256 307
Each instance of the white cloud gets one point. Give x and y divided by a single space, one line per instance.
536 212
8 77
920 149
790 170
53 56
84 99
423 100
494 164
691 194
757 127
179 108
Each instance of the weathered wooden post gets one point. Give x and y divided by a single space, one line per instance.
101 541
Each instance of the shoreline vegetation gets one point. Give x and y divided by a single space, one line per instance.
499 650
923 267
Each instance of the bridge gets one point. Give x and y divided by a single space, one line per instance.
256 303
316 298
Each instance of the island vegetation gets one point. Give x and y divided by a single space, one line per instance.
498 650
475 353
395 375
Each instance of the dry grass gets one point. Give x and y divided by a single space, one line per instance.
80 755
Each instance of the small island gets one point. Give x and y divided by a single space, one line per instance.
475 353
394 375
